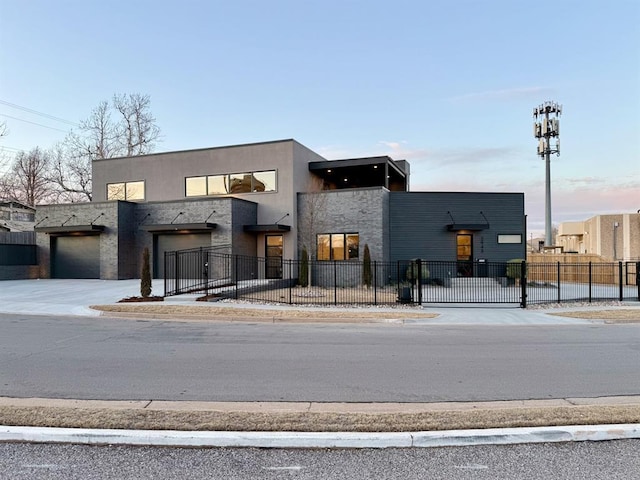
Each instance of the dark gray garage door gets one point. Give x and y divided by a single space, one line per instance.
170 243
76 257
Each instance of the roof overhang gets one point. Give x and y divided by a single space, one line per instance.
269 228
179 227
361 173
86 229
456 227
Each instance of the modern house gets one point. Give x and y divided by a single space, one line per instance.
614 237
16 217
269 200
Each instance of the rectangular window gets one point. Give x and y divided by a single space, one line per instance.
24 217
324 253
125 191
115 191
134 190
196 186
217 184
240 183
353 246
245 182
264 181
338 246
516 238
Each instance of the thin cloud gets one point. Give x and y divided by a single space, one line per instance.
505 94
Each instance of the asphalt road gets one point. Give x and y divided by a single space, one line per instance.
77 357
568 461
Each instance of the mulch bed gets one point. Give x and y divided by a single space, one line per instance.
141 299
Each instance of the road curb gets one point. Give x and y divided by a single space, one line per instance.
173 438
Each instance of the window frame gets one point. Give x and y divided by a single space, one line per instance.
509 239
331 245
125 191
253 187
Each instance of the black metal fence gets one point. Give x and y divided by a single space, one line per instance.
222 275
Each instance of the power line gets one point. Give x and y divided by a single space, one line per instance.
33 123
36 112
4 147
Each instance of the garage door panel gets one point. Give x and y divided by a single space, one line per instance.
76 257
171 243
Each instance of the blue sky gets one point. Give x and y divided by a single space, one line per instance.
448 85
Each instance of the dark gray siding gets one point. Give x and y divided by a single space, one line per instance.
418 224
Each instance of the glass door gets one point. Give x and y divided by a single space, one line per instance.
273 254
464 245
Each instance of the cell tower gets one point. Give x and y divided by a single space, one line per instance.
545 128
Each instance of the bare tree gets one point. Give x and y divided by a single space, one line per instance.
312 211
28 178
122 128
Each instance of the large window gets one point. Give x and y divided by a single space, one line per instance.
244 182
338 246
125 191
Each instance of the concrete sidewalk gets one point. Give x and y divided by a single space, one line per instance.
74 297
50 420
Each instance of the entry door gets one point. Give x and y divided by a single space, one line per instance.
464 244
273 253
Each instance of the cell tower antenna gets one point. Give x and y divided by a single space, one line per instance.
546 128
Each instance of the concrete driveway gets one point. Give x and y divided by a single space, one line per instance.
66 297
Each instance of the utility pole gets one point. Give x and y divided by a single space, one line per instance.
545 128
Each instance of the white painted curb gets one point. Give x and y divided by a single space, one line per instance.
173 438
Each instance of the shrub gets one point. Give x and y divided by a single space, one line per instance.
367 276
514 268
412 271
303 276
145 277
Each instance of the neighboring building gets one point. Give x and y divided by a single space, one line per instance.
269 200
16 217
614 237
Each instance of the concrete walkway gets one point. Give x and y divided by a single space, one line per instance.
74 297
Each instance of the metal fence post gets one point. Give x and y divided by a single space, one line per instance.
590 279
290 281
176 272
236 276
559 296
335 283
375 282
419 263
638 278
523 283
620 280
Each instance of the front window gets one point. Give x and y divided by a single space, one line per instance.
125 191
244 182
338 246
